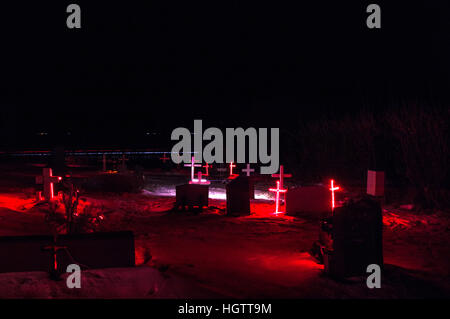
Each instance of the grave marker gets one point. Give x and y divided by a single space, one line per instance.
375 183
47 179
277 190
248 170
192 166
238 196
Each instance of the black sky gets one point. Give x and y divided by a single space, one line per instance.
138 67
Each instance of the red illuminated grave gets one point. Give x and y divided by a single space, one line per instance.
47 179
277 190
332 189
192 166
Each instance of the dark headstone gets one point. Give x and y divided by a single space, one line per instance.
95 250
238 196
308 199
192 195
355 233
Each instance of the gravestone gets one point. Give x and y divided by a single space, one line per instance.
375 183
355 238
192 195
238 196
308 199
94 250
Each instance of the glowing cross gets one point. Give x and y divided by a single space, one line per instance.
332 189
277 190
281 175
47 179
248 170
199 180
207 166
231 169
164 158
193 166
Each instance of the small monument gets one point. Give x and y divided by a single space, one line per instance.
351 239
308 199
238 196
47 179
195 193
375 183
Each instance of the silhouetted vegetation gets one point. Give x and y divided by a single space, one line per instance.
410 143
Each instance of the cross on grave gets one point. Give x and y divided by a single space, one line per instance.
231 170
47 179
248 170
207 166
164 158
54 248
199 180
192 166
332 189
277 190
281 175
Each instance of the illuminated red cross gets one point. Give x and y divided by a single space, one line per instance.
281 175
47 179
332 189
164 158
231 169
248 170
277 190
199 180
207 166
193 166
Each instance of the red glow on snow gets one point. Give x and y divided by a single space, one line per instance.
332 189
277 190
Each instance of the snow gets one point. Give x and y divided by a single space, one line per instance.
211 255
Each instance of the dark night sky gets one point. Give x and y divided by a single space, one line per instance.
136 68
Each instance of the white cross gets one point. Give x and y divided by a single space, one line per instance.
277 190
192 166
248 170
47 179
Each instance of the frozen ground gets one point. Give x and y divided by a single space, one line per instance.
211 255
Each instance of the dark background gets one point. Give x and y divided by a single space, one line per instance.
136 71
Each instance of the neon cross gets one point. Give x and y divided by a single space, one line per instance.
248 170
164 158
332 189
193 166
207 166
47 179
231 168
199 179
277 190
281 175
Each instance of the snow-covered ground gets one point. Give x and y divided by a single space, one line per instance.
210 255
